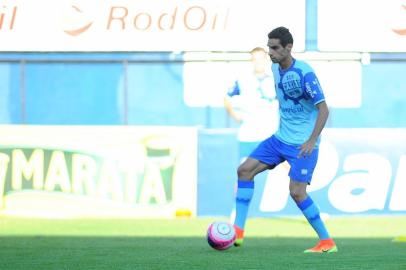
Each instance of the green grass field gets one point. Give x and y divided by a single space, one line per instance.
274 243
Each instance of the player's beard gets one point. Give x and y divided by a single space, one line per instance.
274 60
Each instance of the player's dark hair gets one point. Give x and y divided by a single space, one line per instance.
283 34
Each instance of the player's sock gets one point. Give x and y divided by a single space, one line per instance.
245 192
312 214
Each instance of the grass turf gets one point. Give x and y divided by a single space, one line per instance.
275 243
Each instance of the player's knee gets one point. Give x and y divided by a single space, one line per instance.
298 195
244 172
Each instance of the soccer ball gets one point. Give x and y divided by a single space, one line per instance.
221 235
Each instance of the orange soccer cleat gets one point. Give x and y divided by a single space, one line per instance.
324 246
240 236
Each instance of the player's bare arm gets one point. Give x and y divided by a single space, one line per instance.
308 146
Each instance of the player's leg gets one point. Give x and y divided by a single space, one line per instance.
245 190
301 173
245 149
265 156
312 213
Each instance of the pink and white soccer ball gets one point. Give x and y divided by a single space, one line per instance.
221 235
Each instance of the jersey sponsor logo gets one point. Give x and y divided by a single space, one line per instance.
312 85
309 90
293 109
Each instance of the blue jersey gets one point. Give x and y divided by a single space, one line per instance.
298 91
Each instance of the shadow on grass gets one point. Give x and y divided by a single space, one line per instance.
64 252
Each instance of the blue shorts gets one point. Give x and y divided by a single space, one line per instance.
272 152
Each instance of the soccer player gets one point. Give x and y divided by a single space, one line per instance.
303 114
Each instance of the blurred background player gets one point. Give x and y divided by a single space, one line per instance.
303 114
251 102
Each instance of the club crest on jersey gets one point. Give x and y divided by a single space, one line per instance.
291 86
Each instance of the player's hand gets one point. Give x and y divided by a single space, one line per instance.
307 148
